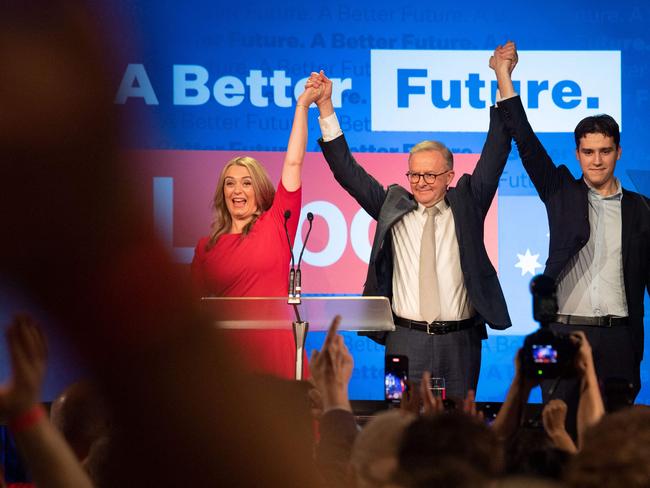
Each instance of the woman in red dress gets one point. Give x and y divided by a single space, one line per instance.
246 253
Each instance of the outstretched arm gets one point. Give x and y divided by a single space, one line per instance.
48 457
489 168
331 369
536 161
503 63
365 189
509 417
292 169
554 420
590 407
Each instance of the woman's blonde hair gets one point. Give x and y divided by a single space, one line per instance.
264 193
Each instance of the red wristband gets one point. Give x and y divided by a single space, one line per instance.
27 419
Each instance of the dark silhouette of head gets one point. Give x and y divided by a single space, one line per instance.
447 447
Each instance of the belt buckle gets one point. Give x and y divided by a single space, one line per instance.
441 329
608 321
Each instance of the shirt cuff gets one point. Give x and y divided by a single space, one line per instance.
329 127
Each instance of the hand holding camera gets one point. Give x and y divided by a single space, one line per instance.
584 359
547 354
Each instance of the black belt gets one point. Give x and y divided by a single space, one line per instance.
437 327
605 321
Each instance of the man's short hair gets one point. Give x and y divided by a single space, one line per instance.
434 146
597 124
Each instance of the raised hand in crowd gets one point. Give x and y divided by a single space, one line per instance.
507 420
591 407
49 459
331 369
554 421
431 404
28 354
315 400
411 403
469 406
417 398
421 400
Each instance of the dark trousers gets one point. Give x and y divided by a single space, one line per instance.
456 356
614 359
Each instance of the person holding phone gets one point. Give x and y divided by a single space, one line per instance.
396 376
428 254
247 253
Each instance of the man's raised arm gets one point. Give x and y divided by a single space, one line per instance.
365 189
534 157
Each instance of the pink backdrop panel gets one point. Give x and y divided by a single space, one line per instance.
195 174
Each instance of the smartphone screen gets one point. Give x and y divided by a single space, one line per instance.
396 369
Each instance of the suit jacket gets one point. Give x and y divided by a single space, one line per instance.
567 205
469 202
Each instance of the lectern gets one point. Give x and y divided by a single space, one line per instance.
315 313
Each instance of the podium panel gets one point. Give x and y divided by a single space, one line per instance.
357 313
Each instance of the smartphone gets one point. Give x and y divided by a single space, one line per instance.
396 373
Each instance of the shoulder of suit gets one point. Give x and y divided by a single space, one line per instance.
398 190
399 197
633 193
564 169
565 172
636 196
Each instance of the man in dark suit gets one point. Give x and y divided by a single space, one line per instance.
428 254
599 251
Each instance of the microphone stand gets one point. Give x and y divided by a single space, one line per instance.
300 327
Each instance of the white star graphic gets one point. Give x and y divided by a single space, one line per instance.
528 263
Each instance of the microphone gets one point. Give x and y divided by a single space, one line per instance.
310 218
292 271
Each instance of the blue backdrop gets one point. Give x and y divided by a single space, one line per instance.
208 75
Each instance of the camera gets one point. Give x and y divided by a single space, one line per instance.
547 354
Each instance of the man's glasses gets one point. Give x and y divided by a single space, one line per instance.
429 178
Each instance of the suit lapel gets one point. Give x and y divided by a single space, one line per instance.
627 219
398 203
